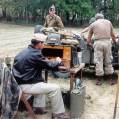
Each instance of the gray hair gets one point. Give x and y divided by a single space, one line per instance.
92 20
99 16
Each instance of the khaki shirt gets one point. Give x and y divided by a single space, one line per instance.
53 21
101 29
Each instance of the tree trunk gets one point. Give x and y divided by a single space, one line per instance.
4 13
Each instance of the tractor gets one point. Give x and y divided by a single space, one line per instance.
72 49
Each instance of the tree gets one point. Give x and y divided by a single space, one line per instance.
72 12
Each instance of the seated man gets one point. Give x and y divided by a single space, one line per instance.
27 70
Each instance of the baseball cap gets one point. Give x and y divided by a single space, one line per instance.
52 8
37 38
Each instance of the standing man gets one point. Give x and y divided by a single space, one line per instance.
27 70
53 20
102 30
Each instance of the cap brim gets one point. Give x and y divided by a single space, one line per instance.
40 37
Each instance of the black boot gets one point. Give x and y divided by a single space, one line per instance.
39 110
64 115
99 80
111 79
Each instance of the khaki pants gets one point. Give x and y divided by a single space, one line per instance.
102 57
52 90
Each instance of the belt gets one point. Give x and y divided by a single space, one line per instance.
101 39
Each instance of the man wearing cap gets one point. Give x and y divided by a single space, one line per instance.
27 70
102 30
53 20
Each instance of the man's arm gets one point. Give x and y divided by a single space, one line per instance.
85 30
118 46
112 34
45 63
114 38
50 65
90 34
59 22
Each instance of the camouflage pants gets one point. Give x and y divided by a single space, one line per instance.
102 57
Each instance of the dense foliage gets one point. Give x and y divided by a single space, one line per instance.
72 12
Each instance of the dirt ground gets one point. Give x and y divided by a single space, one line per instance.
99 99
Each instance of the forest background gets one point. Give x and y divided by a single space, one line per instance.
72 12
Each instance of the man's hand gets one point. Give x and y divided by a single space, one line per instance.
82 34
90 44
58 59
90 34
